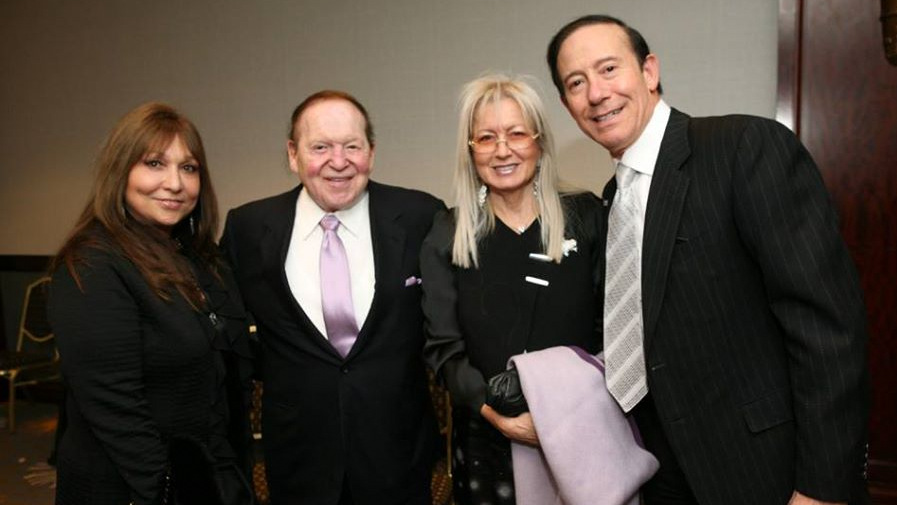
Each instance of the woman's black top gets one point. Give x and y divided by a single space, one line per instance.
514 302
140 371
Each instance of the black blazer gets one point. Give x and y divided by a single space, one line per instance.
755 335
367 416
139 371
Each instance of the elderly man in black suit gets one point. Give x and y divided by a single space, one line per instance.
734 328
330 273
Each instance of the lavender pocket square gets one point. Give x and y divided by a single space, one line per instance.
412 281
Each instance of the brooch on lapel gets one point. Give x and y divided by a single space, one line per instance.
569 245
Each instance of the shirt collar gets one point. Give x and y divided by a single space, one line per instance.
356 218
308 215
642 155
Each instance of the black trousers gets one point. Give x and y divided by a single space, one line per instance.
345 497
668 486
420 497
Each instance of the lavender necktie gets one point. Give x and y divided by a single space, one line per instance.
336 289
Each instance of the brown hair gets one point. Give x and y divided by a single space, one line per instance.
149 127
330 94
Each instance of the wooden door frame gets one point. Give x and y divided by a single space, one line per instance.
882 474
788 87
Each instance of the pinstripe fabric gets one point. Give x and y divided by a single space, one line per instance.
755 334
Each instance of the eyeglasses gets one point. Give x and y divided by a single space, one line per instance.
488 142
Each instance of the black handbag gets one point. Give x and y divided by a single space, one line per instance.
504 394
197 478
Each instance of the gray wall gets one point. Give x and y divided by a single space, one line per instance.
71 69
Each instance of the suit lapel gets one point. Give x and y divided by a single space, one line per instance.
274 247
276 240
388 242
665 200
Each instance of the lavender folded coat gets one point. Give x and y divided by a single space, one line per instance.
588 453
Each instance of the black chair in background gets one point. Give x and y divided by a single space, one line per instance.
35 358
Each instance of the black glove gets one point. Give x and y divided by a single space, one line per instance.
504 394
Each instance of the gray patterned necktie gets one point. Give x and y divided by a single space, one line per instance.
623 332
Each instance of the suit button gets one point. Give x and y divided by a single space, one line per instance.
344 369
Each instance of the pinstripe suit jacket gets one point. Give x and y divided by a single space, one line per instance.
755 335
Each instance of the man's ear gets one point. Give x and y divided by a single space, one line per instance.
651 72
292 149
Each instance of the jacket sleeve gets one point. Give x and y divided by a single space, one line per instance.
99 338
227 244
444 350
585 216
786 218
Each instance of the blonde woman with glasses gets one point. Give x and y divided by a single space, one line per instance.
512 268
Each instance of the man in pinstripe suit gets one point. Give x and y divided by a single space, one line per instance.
747 375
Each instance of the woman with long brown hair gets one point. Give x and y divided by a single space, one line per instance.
152 336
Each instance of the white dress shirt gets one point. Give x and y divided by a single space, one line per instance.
303 257
642 156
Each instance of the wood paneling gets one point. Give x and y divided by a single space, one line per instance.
788 89
845 97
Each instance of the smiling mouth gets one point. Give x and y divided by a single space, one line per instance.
605 117
170 204
505 169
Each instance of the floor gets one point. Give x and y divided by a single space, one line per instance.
27 479
25 476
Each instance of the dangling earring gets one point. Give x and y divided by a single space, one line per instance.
536 180
195 217
481 195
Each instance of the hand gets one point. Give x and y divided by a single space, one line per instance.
520 428
801 499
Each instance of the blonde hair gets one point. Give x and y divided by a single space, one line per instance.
473 222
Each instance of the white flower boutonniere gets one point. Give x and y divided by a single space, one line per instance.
569 245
